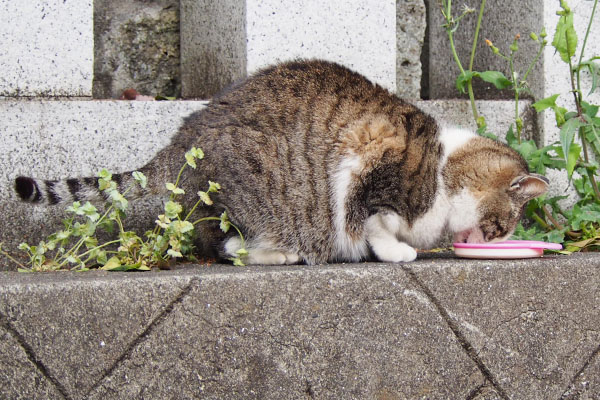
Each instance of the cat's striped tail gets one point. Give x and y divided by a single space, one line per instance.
50 192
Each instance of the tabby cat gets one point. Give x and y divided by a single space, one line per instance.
317 164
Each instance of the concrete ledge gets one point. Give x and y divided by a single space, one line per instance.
438 328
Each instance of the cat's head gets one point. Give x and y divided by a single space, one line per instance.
488 185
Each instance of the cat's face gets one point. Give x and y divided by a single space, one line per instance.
489 187
499 210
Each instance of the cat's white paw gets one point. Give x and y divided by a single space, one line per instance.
391 250
260 255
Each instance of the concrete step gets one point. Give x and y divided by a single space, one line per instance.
437 328
55 139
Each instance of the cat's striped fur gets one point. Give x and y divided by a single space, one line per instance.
317 164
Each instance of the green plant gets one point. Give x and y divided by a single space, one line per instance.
76 246
578 228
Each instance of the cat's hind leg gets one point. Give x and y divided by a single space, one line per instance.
259 254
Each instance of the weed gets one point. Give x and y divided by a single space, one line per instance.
579 227
76 247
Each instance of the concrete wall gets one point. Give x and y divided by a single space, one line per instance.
47 48
225 41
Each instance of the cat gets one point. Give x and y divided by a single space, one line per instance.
317 164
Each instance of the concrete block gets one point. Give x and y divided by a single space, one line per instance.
98 321
136 45
437 328
359 34
501 22
58 139
16 368
411 22
213 45
47 48
223 42
533 323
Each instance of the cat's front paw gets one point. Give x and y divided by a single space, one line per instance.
393 251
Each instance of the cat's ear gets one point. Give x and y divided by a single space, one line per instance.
529 186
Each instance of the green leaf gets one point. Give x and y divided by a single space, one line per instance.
174 189
583 214
174 253
496 78
118 200
193 154
205 197
567 134
463 79
140 178
112 264
574 153
565 38
190 160
213 187
548 102
104 174
225 225
172 209
183 226
590 110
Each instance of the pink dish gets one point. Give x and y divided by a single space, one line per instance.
504 250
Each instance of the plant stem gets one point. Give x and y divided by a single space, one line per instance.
454 54
193 209
587 33
11 258
541 221
513 78
586 157
581 131
553 220
479 19
535 60
472 60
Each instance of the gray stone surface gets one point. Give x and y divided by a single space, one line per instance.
59 139
136 45
534 324
47 48
410 34
438 328
357 33
501 22
19 376
79 327
213 45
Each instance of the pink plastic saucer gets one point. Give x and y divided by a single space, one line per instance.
504 250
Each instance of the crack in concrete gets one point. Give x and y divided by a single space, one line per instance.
571 389
467 347
476 391
145 333
39 365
